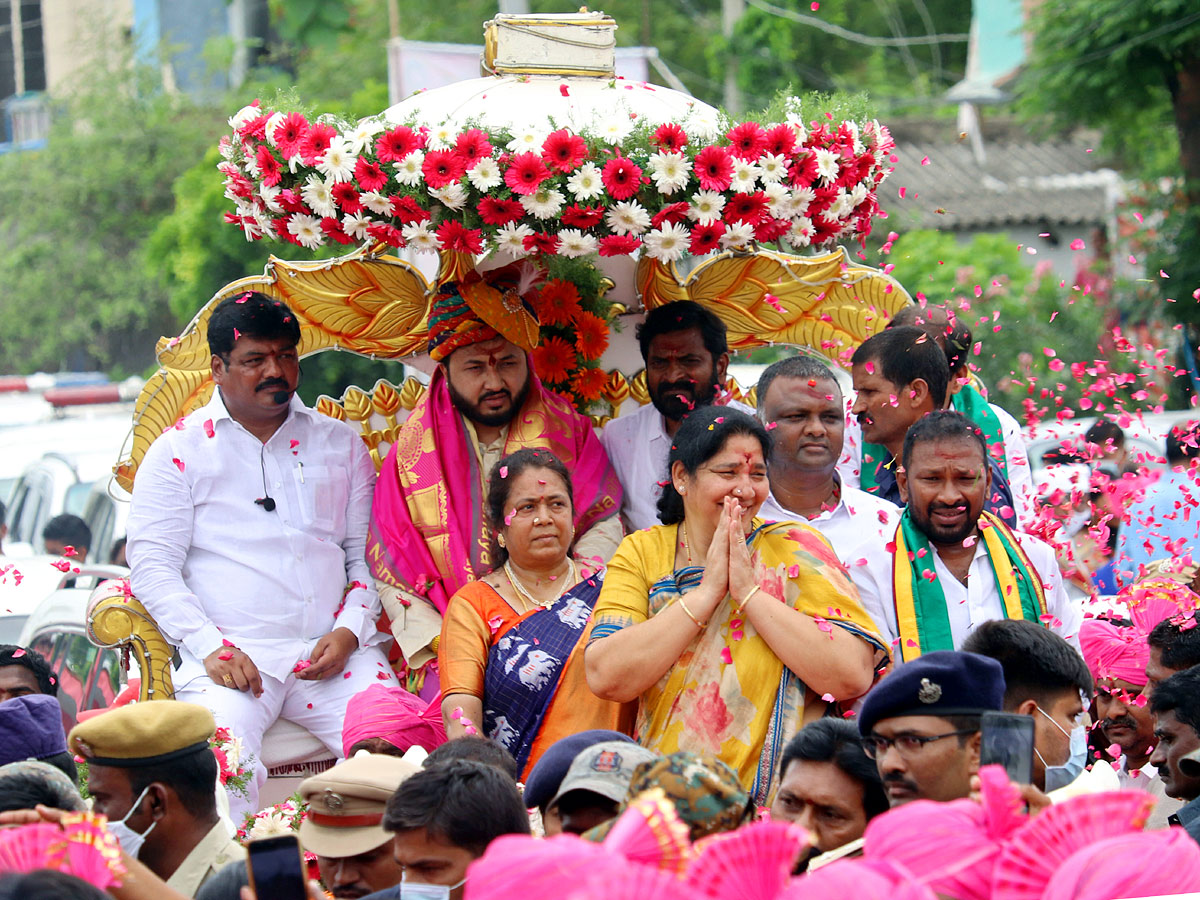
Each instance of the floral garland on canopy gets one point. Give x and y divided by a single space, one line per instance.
615 189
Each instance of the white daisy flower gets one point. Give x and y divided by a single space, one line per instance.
272 123
669 171
773 168
265 224
270 197
840 207
225 145
484 175
798 126
526 140
243 115
586 183
316 193
627 217
510 239
827 164
858 194
614 129
452 196
575 243
376 203
356 225
420 237
544 203
295 161
252 228
361 137
441 138
858 144
337 162
706 206
408 170
272 824
251 164
307 230
668 242
801 233
801 198
745 176
737 235
779 200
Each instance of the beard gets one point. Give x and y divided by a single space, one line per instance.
923 519
475 413
675 399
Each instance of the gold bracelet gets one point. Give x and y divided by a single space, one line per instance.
754 590
688 613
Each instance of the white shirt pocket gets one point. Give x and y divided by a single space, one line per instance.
324 492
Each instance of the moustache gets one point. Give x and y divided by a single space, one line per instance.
947 507
272 384
1122 721
488 396
897 779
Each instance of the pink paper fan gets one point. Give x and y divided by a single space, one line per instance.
27 848
650 832
857 879
752 863
518 867
1003 806
633 882
1032 855
81 846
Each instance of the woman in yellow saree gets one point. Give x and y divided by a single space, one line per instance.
731 632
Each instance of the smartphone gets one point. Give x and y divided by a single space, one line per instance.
1008 742
276 867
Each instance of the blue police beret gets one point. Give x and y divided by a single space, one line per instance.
942 683
31 727
544 778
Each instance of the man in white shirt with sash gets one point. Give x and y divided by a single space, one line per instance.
950 565
246 543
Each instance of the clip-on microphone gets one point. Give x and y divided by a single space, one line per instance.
267 503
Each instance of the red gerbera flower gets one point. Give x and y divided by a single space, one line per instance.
746 208
781 140
673 213
541 242
290 133
408 210
553 360
558 303
706 238
588 384
748 140
770 229
803 172
389 234
441 167
369 175
268 166
714 168
563 151
824 230
669 138
525 173
239 185
494 211
622 177
591 335
394 145
576 216
473 145
346 197
619 245
454 236
333 229
316 142
822 201
281 228
290 201
255 128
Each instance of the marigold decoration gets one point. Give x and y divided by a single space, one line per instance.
316 183
558 303
554 360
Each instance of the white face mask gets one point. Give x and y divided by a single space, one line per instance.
130 841
1062 775
412 890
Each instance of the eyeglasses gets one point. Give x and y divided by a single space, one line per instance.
908 744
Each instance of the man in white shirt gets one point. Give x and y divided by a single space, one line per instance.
685 349
800 401
951 566
246 542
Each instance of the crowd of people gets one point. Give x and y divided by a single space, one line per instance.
710 650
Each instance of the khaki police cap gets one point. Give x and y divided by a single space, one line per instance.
346 804
143 734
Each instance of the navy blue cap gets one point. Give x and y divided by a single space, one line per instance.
31 728
545 777
942 683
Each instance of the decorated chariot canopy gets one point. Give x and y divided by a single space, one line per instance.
607 187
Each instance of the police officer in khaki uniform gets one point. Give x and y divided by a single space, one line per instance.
152 773
344 827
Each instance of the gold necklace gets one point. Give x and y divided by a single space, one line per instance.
686 546
524 593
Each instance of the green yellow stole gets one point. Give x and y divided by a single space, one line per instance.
922 620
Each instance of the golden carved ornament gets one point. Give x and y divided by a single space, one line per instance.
828 302
115 618
378 414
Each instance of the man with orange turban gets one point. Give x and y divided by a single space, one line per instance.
429 534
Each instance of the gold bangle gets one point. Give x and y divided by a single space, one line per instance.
754 590
688 613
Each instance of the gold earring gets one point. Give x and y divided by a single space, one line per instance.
500 540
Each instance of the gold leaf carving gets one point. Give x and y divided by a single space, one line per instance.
357 403
638 390
411 393
385 399
327 406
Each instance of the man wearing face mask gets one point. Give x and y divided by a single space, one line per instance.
152 773
443 818
1044 677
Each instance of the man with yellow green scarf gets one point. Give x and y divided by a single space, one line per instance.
952 566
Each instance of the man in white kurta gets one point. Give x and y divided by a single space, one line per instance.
686 354
247 532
